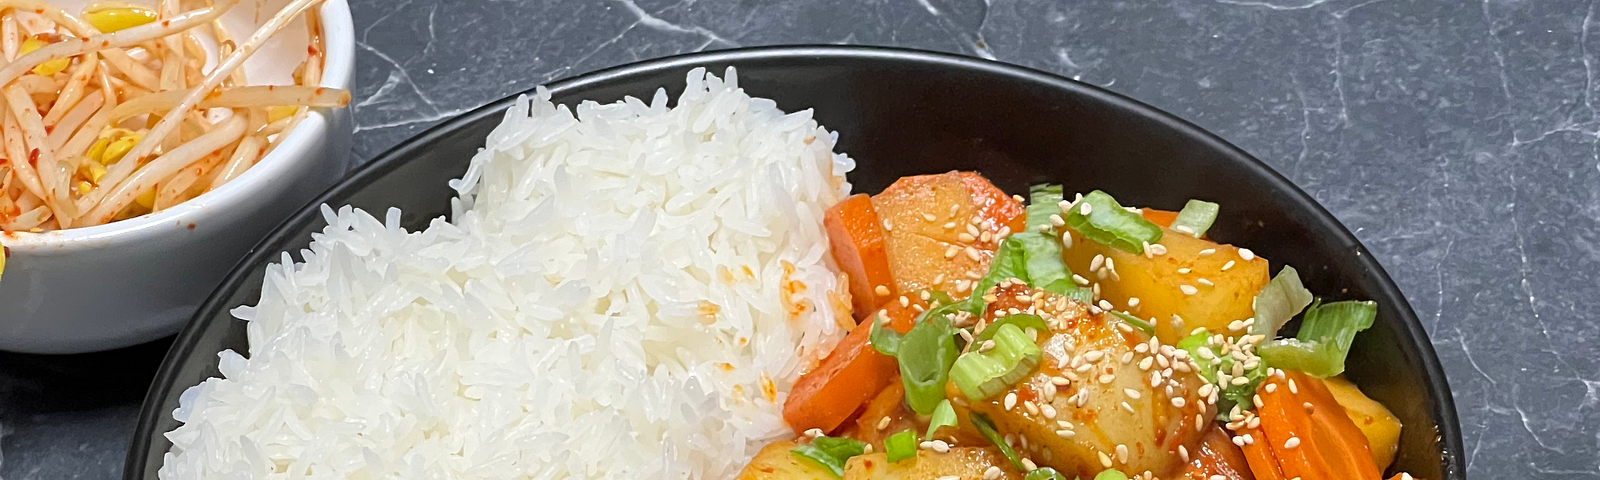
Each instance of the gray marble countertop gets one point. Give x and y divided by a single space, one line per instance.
1459 140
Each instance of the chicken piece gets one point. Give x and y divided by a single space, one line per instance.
942 230
1102 398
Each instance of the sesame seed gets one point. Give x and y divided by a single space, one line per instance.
1133 302
1027 464
1178 402
1048 411
940 446
1093 356
952 252
1188 289
1066 433
904 302
1145 364
1060 381
1078 279
1272 387
1066 240
929 217
814 433
1057 220
1111 265
1227 266
1105 305
1207 252
881 290
883 423
965 237
972 253
1292 388
963 285
1032 408
887 226
965 335
992 473
1291 443
1011 400
985 237
1246 254
1005 231
1131 393
1158 249
866 448
1107 378
986 346
1183 453
1205 282
1128 408
1256 400
1105 460
1238 441
1122 453
1309 407
1086 209
1095 263
1184 271
1184 229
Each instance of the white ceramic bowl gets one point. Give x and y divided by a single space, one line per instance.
128 282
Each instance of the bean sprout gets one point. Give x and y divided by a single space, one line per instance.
105 117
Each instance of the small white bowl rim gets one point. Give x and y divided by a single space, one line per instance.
338 33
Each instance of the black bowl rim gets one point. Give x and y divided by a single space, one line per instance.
1416 337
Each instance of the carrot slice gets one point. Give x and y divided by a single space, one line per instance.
1163 218
1263 464
1216 457
850 376
1309 432
855 236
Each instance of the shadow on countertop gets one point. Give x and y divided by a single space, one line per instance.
69 416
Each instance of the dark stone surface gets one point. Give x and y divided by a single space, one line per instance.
1459 140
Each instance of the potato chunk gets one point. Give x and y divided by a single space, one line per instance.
774 462
966 463
1206 284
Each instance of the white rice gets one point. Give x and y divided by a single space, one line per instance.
613 299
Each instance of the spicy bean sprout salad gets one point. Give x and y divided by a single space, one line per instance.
1056 338
122 109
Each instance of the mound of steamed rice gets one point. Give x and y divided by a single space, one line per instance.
626 291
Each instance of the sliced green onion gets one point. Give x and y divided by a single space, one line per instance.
1215 362
1139 323
1034 258
901 446
1207 364
1044 200
830 452
1109 223
1282 299
926 353
986 428
1324 340
943 416
884 340
1044 473
1010 261
1024 321
1112 474
1196 217
980 375
1041 258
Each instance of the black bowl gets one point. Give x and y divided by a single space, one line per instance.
898 113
